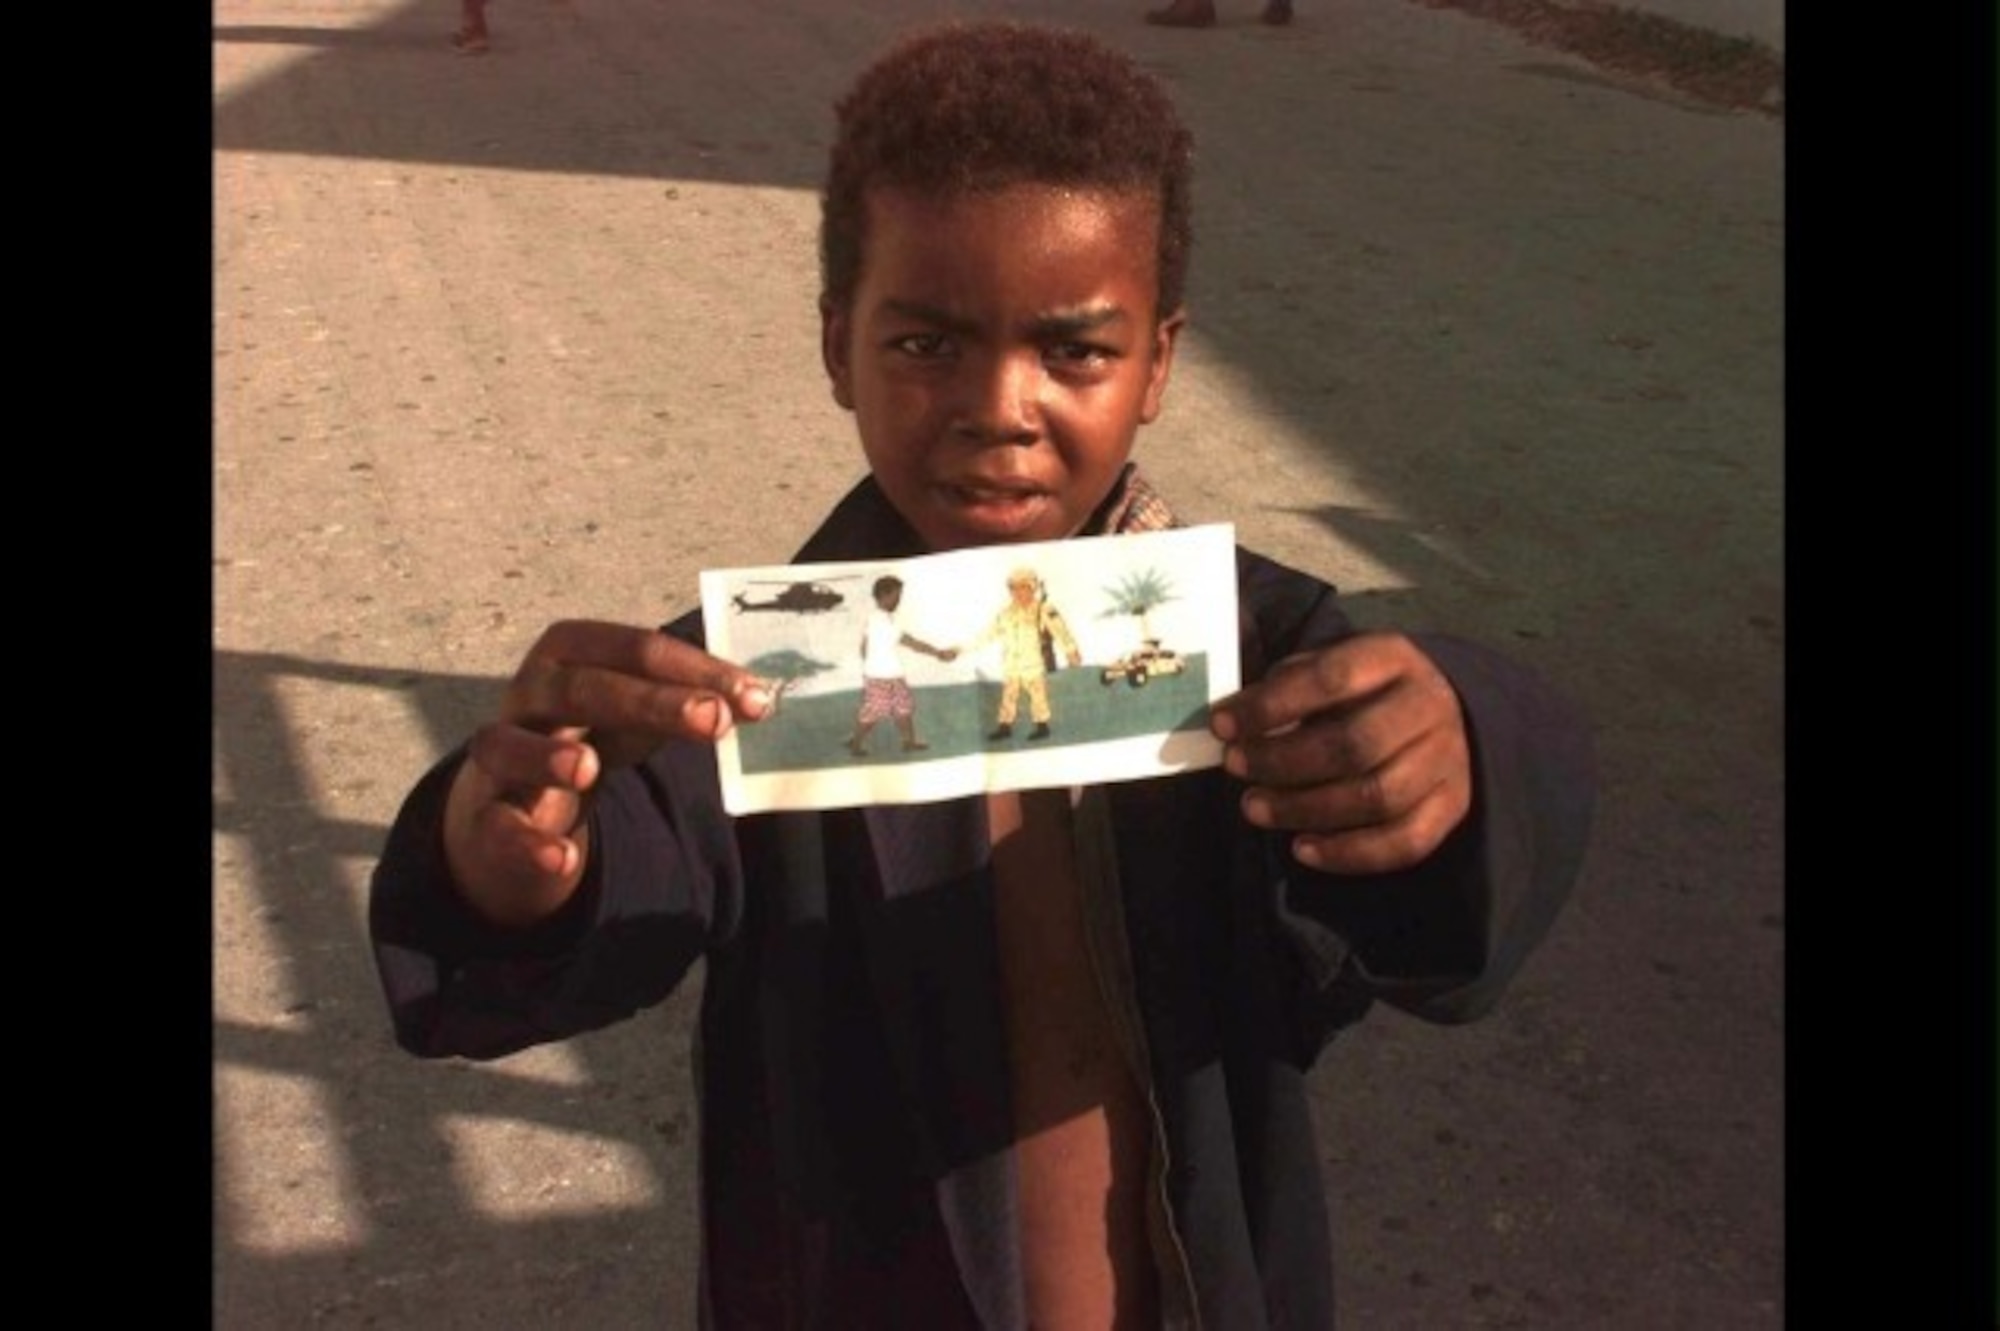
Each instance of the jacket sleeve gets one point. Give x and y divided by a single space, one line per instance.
1442 939
662 887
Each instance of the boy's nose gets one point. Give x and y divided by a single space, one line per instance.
1001 400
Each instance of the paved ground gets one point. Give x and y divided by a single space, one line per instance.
1489 334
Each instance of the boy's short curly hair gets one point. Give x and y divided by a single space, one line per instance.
978 106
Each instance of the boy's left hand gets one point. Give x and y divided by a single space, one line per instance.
1359 747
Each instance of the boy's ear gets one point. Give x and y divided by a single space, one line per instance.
1166 336
833 345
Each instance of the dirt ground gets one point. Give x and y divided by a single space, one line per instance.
1486 332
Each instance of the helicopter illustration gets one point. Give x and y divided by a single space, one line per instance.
797 598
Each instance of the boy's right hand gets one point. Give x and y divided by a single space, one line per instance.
588 696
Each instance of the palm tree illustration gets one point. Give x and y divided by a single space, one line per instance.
1138 594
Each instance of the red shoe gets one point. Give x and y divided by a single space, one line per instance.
1184 14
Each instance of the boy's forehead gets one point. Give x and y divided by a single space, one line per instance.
978 225
1134 205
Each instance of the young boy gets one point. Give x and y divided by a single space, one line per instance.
1026 1059
885 689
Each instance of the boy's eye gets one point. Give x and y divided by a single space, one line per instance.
1078 354
924 346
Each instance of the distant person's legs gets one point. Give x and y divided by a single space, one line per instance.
471 37
1201 14
1184 14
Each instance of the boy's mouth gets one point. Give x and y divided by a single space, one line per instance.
996 509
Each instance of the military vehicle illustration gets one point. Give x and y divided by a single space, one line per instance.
1135 668
1137 595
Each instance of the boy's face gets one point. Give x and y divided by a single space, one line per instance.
1000 354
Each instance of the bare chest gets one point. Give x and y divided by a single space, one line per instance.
1080 1123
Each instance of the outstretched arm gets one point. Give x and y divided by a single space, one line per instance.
1428 799
589 696
564 868
917 644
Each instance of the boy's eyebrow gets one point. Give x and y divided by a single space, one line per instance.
1056 323
1069 323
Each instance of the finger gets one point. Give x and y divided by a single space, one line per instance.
515 759
614 678
588 647
1428 768
1301 685
514 853
1335 745
1383 847
624 647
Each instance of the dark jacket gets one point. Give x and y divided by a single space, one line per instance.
851 1063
